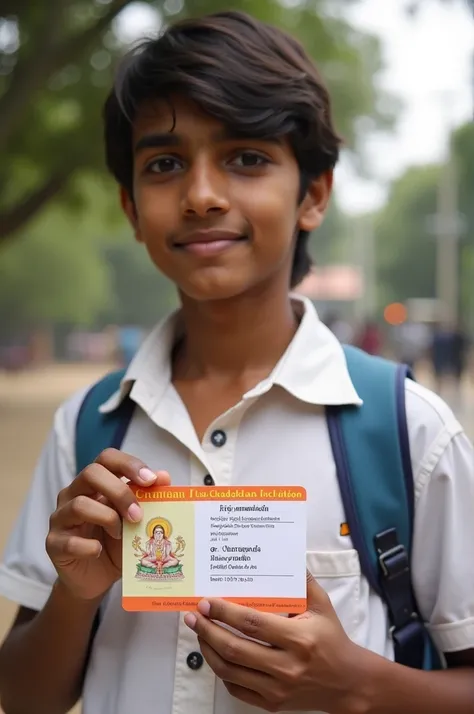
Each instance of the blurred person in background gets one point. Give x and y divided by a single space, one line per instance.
220 136
341 328
461 345
411 342
370 338
449 354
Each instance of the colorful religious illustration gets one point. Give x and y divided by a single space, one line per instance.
159 559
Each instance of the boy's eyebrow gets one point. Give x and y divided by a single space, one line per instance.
229 134
156 141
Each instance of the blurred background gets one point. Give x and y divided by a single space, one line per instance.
394 261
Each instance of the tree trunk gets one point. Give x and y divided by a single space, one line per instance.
16 217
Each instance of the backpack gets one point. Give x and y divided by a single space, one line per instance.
371 450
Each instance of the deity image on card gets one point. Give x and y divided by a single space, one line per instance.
159 558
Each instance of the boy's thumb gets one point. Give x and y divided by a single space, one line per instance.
317 600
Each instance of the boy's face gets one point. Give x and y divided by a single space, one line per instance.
218 215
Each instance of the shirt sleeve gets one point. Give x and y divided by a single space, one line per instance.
26 573
443 546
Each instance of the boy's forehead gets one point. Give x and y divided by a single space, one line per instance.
176 114
188 123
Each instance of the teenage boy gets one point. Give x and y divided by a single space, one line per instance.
220 136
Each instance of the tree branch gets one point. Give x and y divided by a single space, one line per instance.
32 73
29 69
72 47
15 218
12 8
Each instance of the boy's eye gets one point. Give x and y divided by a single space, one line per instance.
164 165
249 159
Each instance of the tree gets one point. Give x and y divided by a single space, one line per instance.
55 271
52 80
80 270
412 6
463 146
328 244
56 65
405 248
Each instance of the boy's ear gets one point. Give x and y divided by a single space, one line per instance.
128 207
314 205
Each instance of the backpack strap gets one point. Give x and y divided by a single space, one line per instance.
372 453
95 431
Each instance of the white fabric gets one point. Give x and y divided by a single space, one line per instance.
276 434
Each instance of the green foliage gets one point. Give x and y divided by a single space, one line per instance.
413 6
406 249
328 244
463 142
67 269
55 271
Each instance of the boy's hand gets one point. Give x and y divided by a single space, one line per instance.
85 536
311 664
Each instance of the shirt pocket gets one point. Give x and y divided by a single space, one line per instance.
339 574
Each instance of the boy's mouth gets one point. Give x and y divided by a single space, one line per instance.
209 242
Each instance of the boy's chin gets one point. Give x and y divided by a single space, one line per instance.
212 291
210 294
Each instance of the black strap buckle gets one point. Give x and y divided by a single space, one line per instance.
407 629
394 561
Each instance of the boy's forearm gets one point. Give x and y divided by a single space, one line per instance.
42 661
390 688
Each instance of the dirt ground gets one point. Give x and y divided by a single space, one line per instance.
27 405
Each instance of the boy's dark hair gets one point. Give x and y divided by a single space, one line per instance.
251 76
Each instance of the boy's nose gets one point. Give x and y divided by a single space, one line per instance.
206 192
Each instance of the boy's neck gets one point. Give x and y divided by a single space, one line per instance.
228 338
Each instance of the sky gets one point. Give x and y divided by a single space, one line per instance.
429 65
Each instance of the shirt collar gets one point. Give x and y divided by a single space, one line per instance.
313 368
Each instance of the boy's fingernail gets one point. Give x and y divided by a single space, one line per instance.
146 476
204 608
135 513
190 620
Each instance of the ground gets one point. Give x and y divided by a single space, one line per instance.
27 404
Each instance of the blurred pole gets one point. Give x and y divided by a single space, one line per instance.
370 268
472 74
447 225
365 260
448 233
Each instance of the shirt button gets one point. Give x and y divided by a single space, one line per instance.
208 480
218 438
194 660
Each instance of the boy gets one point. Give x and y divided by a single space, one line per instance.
220 136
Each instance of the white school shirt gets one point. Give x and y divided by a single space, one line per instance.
277 434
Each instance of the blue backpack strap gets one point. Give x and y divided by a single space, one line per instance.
95 431
372 453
